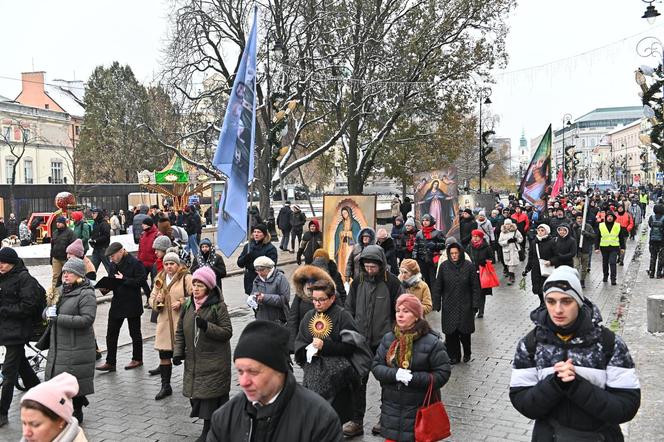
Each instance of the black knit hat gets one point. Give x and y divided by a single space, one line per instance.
261 227
265 342
8 255
148 222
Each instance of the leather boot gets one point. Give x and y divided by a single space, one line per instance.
166 389
155 372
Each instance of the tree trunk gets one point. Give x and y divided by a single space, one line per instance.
403 189
355 183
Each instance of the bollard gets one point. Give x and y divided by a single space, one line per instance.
656 313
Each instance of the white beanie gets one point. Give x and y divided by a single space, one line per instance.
565 279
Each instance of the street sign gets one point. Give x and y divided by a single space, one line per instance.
660 176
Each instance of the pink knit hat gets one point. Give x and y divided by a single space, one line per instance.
76 248
412 304
206 276
55 395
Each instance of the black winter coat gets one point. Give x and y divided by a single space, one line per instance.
284 218
311 241
215 262
20 305
547 249
399 402
456 293
127 301
298 219
296 415
390 255
466 226
425 249
100 237
250 252
60 241
565 251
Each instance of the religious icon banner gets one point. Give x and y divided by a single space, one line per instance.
436 194
343 218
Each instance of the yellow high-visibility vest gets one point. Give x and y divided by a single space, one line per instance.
643 198
609 239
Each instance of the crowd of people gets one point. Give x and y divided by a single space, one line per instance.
339 323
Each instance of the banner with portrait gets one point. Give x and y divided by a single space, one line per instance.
343 218
537 178
476 202
436 194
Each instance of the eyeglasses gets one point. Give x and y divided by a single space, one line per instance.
319 300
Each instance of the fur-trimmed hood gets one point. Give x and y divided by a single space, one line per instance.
506 228
305 273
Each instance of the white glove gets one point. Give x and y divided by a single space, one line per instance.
311 352
404 376
51 312
251 302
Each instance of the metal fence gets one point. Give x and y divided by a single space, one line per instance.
41 197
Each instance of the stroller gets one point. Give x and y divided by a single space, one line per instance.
36 358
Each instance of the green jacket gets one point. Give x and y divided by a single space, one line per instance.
207 360
82 230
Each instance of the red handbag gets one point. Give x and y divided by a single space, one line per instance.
488 276
431 423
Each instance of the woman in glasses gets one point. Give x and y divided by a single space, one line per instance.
270 294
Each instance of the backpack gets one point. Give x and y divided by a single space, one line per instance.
38 322
607 339
657 229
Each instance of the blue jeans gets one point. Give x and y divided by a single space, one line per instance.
192 244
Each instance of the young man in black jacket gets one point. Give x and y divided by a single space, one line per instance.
100 238
570 374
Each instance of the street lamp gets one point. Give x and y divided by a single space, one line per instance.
567 121
651 13
277 52
484 95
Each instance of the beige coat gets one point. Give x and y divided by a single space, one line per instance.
421 290
176 292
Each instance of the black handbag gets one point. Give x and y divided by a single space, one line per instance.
328 375
44 341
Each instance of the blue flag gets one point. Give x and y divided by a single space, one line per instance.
234 156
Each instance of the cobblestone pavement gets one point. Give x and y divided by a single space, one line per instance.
476 396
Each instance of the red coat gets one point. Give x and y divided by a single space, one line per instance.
146 253
625 220
520 218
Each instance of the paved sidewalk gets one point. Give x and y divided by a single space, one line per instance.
476 396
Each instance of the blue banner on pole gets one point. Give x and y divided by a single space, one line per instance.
234 156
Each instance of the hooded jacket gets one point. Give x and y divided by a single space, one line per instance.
276 296
352 265
456 293
138 221
372 299
564 249
311 241
546 247
604 394
510 240
210 259
21 302
60 241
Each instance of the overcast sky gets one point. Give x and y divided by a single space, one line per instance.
68 39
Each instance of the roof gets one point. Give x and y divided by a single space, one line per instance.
65 99
612 113
3 98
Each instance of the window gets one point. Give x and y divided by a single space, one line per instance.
9 169
56 172
7 133
46 106
26 135
77 129
27 171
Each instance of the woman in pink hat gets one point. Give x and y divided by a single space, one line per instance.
47 412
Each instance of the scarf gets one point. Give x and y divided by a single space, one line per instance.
567 333
413 280
477 244
426 231
541 238
401 350
198 303
206 259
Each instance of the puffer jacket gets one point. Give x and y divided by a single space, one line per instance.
399 402
427 250
456 293
146 253
20 305
565 250
60 241
297 414
372 300
250 252
604 394
353 263
311 241
276 297
206 353
510 248
72 346
302 299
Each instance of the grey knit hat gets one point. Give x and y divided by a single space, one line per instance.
76 266
162 243
409 222
171 257
565 279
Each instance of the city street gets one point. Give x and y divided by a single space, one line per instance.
476 396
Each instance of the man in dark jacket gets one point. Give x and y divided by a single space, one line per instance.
570 374
126 304
656 242
21 303
193 228
557 220
583 250
12 225
100 238
260 245
467 224
612 239
429 242
273 406
312 240
138 220
298 219
284 224
387 244
371 301
61 237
